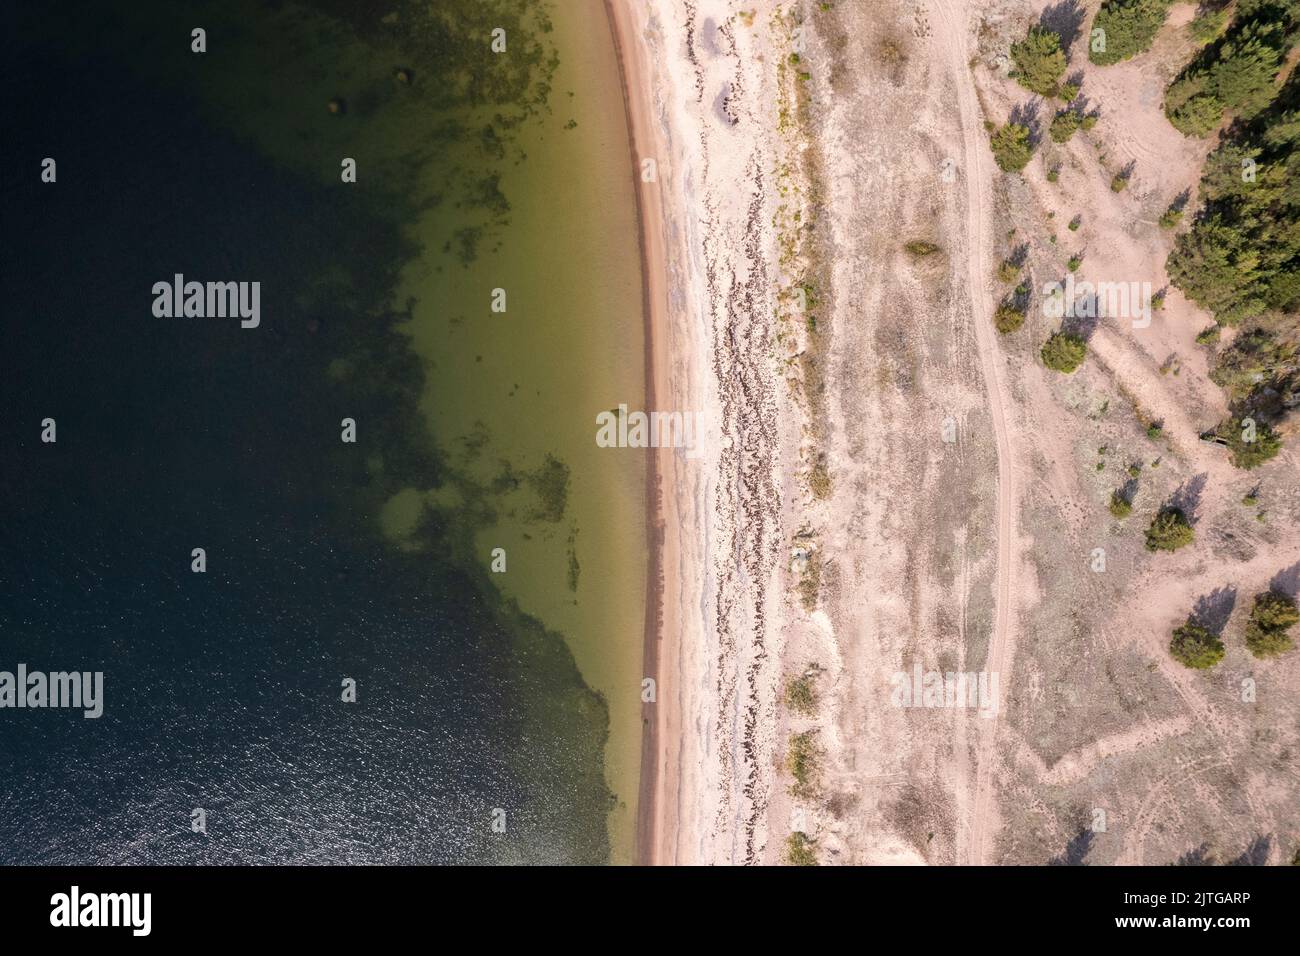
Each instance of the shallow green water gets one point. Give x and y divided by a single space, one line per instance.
519 389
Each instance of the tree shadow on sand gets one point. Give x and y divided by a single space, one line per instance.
1197 856
1085 315
1027 114
1187 498
1213 610
1126 172
1256 854
1287 581
1076 851
1066 19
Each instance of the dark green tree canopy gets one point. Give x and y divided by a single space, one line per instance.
1012 147
1129 27
1040 61
1241 261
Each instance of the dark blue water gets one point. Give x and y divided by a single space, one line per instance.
223 689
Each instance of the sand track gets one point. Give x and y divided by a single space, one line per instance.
949 37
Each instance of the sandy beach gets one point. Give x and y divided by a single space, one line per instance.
697 109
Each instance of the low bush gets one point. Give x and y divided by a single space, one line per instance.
1169 531
1064 352
1194 646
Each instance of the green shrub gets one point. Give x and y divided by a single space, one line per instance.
1053 174
1120 506
1118 182
1073 263
1011 147
1068 92
1170 218
800 695
1274 610
1008 318
1272 616
1263 445
920 248
803 761
1008 271
1129 25
1169 531
1064 125
1064 352
799 850
1208 336
1194 646
1265 644
1089 122
1039 61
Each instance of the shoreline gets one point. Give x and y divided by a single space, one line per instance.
715 627
650 246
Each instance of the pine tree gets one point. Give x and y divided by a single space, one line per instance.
1040 61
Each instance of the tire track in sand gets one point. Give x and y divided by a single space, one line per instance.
951 38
